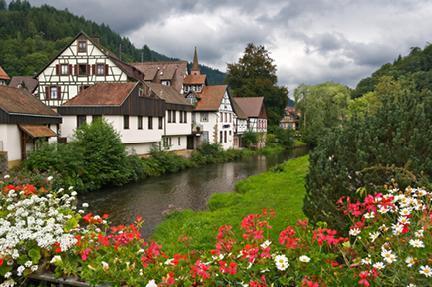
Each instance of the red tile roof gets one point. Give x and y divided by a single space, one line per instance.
168 93
251 106
38 131
103 94
3 75
20 101
194 80
210 98
29 82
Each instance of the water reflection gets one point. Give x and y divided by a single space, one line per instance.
154 197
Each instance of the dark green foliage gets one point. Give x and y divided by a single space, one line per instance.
280 136
417 65
255 76
250 139
395 142
32 36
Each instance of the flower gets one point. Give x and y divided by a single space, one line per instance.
151 283
304 259
379 265
85 205
6 176
281 262
388 256
417 243
265 244
374 235
105 266
49 178
354 231
410 261
426 270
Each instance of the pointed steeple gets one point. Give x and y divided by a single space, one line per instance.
195 65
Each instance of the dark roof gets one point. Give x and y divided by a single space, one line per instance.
129 70
102 94
166 69
195 79
210 98
38 131
238 110
20 101
195 64
169 94
3 74
27 81
251 106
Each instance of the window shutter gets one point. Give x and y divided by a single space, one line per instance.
88 70
57 69
47 92
76 69
94 69
106 70
59 97
70 69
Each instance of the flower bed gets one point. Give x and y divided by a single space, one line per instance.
388 244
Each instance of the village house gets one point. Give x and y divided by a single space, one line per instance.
82 63
136 116
25 82
24 122
195 81
213 118
169 73
291 119
240 124
4 78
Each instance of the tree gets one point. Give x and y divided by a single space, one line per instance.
3 5
322 107
250 139
255 76
367 152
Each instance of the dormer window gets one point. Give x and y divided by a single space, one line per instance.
166 83
140 92
82 46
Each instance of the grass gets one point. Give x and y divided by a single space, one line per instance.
281 190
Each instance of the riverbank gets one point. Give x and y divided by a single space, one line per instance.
281 190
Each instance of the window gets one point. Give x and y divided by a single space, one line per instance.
181 117
82 46
185 117
204 117
220 136
166 83
64 69
174 116
125 122
81 120
160 124
169 116
178 141
230 118
82 70
140 92
221 116
225 134
100 69
150 123
140 122
96 118
166 142
54 93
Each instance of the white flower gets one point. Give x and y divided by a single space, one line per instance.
374 235
151 283
20 270
354 231
7 275
410 261
74 193
6 176
85 205
379 265
411 285
417 243
419 233
281 262
8 283
405 212
34 268
28 264
49 178
426 271
105 266
366 261
169 261
265 244
304 259
369 215
388 256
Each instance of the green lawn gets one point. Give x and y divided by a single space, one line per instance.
282 191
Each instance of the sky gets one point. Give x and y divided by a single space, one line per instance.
310 41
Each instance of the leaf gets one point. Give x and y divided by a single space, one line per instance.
35 255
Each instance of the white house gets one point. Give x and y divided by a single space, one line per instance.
177 119
213 117
84 62
240 124
255 111
136 115
24 121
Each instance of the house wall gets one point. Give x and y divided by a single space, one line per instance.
69 84
178 128
257 125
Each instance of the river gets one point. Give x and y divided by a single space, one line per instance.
154 197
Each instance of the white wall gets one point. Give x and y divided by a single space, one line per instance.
178 128
175 145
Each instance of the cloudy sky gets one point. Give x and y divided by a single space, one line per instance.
311 40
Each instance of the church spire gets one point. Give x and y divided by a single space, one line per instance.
195 65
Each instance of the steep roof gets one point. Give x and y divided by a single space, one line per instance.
3 74
166 69
195 64
238 110
20 101
251 106
210 98
168 93
29 82
195 80
102 94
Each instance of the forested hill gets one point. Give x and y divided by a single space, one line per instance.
31 36
417 66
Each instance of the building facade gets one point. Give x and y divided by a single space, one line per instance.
291 119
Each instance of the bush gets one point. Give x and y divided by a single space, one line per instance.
371 150
250 139
280 136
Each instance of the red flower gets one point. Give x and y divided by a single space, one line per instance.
363 278
103 240
1 261
85 253
309 283
200 269
230 269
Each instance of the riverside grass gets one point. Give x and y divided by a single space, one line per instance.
281 190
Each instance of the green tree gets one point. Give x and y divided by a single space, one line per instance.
322 107
366 152
3 5
255 76
250 139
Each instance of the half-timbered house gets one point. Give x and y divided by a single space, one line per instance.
136 116
24 122
254 109
82 63
195 81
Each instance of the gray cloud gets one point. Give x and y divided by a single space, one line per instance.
311 40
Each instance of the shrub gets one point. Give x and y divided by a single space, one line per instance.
394 141
250 139
283 137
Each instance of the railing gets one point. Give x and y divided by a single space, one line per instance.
50 281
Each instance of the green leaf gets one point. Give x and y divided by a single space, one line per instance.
35 255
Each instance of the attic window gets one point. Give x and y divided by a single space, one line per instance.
140 92
82 46
166 83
